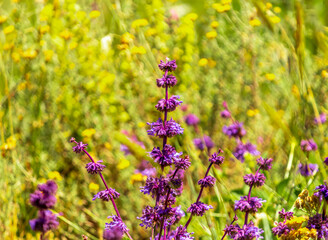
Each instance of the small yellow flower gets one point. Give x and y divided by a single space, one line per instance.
139 23
48 55
108 146
202 62
29 54
254 22
138 50
277 9
137 177
211 63
268 5
226 1
252 112
3 19
88 132
150 32
44 29
270 76
66 34
123 163
211 34
127 38
214 24
122 46
220 8
275 19
8 46
9 144
192 16
94 14
93 187
15 56
55 175
295 222
9 29
324 74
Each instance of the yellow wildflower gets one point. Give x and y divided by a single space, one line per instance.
277 9
9 144
141 124
88 132
295 91
8 46
55 175
202 62
226 1
66 34
268 5
138 50
93 187
150 32
44 29
214 24
137 177
254 22
295 222
211 63
122 46
127 38
324 74
220 8
48 55
29 54
139 23
108 146
15 56
94 14
124 163
211 34
300 234
270 76
9 29
252 112
192 16
275 19
3 19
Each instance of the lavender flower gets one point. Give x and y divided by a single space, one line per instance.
255 180
202 143
247 232
165 157
280 229
235 130
207 181
171 128
79 147
169 105
149 216
168 65
320 223
166 81
106 195
116 223
44 197
199 208
114 233
216 159
326 161
191 120
181 234
285 215
264 163
45 222
307 170
321 119
248 206
308 145
146 169
95 167
322 191
225 114
155 186
241 149
182 163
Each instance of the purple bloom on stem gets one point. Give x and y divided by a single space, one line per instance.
216 159
46 221
182 163
307 170
95 167
191 119
285 215
79 147
280 229
207 181
225 114
165 157
208 142
255 180
308 145
149 217
171 128
234 130
106 195
169 81
250 206
321 119
320 223
201 143
264 163
116 223
181 234
198 208
322 191
241 149
326 161
247 232
169 105
114 233
168 65
155 186
44 197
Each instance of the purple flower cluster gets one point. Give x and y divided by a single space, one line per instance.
168 129
106 195
201 143
169 105
256 180
322 191
308 145
320 223
247 232
307 170
95 167
241 149
321 119
235 130
44 199
191 120
199 208
250 205
207 181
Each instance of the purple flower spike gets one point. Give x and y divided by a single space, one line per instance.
320 223
216 159
114 233
198 208
264 163
95 167
326 161
171 128
155 186
106 195
181 234
256 180
285 215
79 147
116 223
169 105
235 130
182 163
168 81
241 149
207 181
321 119
280 229
307 170
191 120
46 221
208 142
322 191
250 206
247 232
308 145
165 157
44 197
168 65
225 114
149 217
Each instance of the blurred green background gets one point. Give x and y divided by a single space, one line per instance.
88 69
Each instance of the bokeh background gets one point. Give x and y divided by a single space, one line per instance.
88 69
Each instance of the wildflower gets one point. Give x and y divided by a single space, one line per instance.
44 196
280 229
139 23
248 231
202 62
146 169
191 119
207 181
44 29
241 149
220 8
169 105
285 215
168 65
45 222
270 76
307 170
3 19
248 206
254 22
138 50
255 180
295 222
275 19
48 55
202 143
211 34
321 119
149 216
308 145
165 157
66 34
116 223
95 167
322 191
168 80
113 233
106 195
277 9
199 208
9 29
214 24
155 186
235 130
127 38
94 14
79 147
29 54
216 159
181 234
320 223
264 163
171 128
326 161
182 163
225 114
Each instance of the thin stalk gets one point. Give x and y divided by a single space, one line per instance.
225 233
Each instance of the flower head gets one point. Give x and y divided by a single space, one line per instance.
44 196
247 232
113 233
235 130
95 167
46 221
191 120
171 128
150 216
168 105
80 146
155 186
225 114
168 65
307 170
280 229
182 163
202 143
326 161
116 223
308 145
322 191
106 195
250 206
320 223
199 208
180 233
168 80
216 158
321 119
207 181
165 157
255 180
241 149
264 163
285 215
